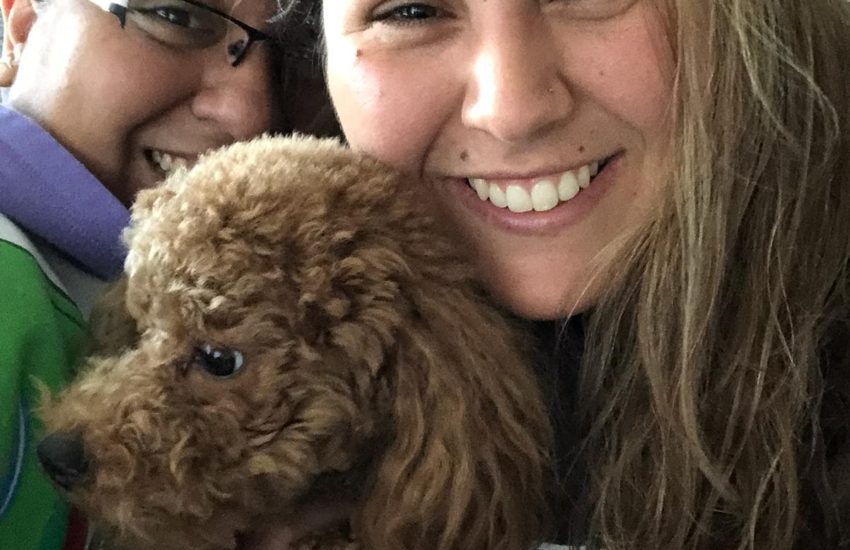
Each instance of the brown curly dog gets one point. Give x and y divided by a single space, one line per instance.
302 325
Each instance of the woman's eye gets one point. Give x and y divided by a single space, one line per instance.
407 13
174 16
219 362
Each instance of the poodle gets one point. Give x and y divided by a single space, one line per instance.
293 320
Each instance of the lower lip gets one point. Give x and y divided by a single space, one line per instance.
564 215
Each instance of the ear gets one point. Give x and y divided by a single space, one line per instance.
18 18
112 329
469 464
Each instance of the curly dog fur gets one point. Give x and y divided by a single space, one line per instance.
367 353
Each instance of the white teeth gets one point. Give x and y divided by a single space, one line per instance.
497 196
568 186
168 163
583 176
518 199
481 187
544 196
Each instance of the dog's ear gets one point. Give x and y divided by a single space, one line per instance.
470 459
111 327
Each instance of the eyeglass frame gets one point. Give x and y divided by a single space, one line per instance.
119 9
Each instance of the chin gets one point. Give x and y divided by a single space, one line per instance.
539 307
536 283
539 300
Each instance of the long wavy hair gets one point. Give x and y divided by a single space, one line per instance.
716 380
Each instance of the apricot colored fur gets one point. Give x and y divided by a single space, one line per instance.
363 334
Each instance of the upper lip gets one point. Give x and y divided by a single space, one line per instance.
537 173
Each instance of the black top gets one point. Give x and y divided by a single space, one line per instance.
559 350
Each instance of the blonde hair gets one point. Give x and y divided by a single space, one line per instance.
711 369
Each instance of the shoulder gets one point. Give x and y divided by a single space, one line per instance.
39 323
67 282
41 334
16 243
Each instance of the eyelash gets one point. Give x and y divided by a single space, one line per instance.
394 15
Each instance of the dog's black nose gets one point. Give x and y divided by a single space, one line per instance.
64 459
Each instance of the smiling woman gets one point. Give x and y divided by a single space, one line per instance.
540 143
101 99
164 84
663 186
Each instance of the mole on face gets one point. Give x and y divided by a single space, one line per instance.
464 155
581 148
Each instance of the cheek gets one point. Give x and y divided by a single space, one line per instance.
93 92
631 70
115 93
385 108
130 95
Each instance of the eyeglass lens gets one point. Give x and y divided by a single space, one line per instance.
182 25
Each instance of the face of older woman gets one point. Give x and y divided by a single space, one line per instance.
541 127
127 105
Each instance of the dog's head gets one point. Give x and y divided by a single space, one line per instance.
296 306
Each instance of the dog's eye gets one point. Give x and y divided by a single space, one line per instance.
219 362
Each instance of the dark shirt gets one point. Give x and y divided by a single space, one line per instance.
559 351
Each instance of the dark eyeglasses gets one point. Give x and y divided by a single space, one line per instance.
185 24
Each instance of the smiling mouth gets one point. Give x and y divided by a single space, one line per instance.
543 193
166 163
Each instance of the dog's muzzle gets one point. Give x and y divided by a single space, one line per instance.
63 457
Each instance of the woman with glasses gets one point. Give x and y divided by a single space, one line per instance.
103 99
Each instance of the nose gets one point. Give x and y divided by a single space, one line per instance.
516 90
64 458
242 101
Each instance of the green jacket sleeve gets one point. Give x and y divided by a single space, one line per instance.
41 335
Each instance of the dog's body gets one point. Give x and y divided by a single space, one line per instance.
299 317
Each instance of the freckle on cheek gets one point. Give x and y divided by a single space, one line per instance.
464 155
581 148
